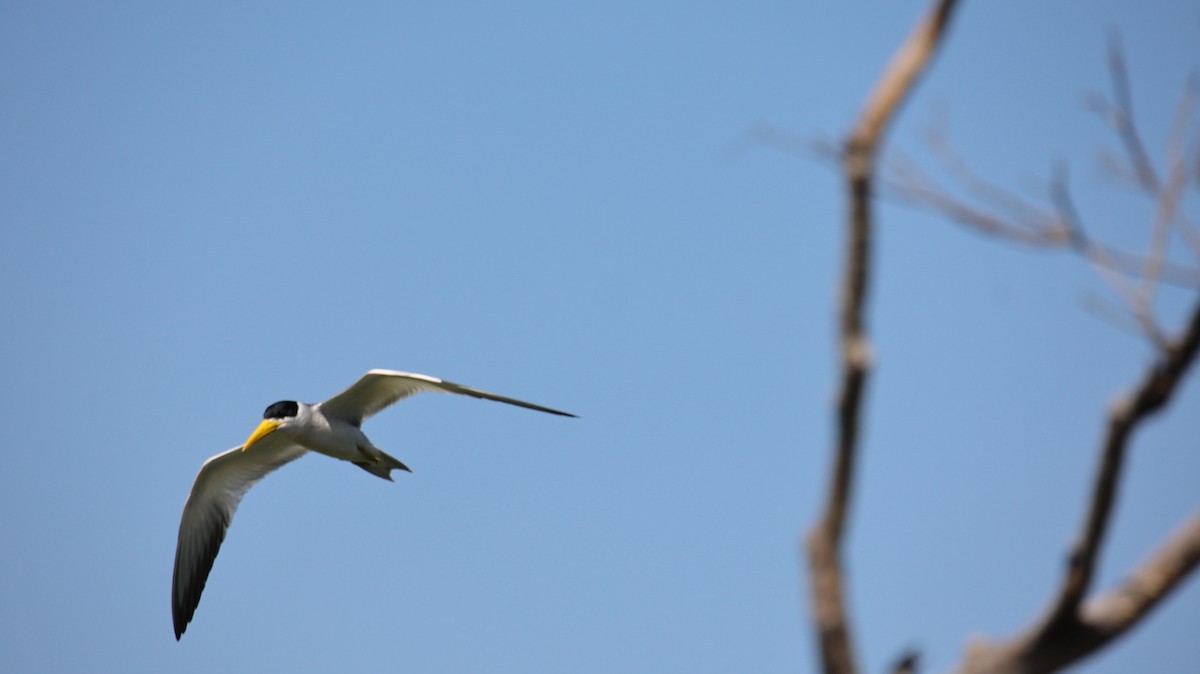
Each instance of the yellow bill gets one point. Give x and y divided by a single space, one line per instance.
264 429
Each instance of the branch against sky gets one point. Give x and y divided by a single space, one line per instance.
1076 625
858 162
1001 213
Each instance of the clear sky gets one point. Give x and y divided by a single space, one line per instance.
208 207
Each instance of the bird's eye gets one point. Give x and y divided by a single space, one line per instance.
282 410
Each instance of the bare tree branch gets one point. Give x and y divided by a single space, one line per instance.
1101 260
1019 223
1158 384
1074 625
1072 629
1169 194
1001 213
909 662
824 542
1116 611
1101 620
1014 220
1121 116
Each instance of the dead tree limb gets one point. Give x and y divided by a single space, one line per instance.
1077 623
1157 386
1074 628
858 162
1121 117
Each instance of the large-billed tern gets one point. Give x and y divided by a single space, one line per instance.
288 430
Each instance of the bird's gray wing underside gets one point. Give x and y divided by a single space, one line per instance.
222 482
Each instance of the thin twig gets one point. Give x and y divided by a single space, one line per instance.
1019 209
911 186
1168 195
1098 256
1014 220
1122 116
908 184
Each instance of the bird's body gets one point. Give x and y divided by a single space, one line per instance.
330 436
289 430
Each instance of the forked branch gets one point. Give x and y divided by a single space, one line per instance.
1077 624
1075 627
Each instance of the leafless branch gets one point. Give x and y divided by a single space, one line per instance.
909 662
1121 116
999 213
784 140
824 541
1075 625
1115 314
1102 260
1140 170
1072 628
1018 208
1169 194
1022 224
1100 620
1157 386
1122 607
994 211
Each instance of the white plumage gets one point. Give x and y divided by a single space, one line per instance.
289 430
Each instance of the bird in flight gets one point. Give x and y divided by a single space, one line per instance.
289 430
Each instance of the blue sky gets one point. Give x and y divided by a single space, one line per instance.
209 207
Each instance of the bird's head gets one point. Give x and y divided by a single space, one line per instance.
275 416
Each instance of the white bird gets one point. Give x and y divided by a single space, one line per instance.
288 430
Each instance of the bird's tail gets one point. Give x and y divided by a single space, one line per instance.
384 467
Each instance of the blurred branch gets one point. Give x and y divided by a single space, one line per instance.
1139 170
1116 611
1073 629
1120 116
1170 194
1074 626
1100 620
1101 259
909 662
1158 385
1001 213
858 162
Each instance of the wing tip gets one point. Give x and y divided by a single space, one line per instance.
180 624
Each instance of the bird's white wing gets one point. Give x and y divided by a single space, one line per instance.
222 482
379 388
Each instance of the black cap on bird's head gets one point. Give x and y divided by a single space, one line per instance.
273 418
282 410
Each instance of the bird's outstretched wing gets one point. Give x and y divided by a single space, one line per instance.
222 482
379 388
